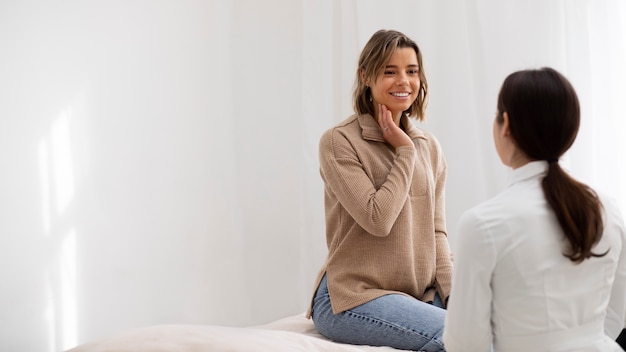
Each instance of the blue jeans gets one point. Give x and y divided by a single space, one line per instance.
392 320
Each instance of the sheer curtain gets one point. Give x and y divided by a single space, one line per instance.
160 157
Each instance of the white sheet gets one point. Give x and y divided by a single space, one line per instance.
289 334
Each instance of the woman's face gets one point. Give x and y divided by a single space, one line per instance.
398 84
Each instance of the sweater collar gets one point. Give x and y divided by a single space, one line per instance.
372 131
533 169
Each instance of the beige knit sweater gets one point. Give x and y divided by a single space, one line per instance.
385 221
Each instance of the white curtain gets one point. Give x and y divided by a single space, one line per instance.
160 157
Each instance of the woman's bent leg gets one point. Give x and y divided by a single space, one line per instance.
392 320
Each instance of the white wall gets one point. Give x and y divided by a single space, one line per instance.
159 158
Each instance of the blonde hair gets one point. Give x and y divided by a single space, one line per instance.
375 55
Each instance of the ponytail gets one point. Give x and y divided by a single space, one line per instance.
578 210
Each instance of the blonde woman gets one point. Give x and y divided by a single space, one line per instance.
387 276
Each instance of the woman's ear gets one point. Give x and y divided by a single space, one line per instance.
362 75
504 130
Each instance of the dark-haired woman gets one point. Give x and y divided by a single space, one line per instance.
387 276
542 266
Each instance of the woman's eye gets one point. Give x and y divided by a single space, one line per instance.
413 72
389 72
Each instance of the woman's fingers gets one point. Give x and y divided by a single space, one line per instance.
384 118
392 133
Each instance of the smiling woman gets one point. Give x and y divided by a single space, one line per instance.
388 262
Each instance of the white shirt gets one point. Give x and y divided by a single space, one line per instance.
512 287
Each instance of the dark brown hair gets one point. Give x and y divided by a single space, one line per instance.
375 55
544 117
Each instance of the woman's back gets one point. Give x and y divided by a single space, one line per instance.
532 297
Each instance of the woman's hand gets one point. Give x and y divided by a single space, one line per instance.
392 133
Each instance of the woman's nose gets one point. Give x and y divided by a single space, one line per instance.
402 78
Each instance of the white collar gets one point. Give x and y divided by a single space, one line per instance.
532 169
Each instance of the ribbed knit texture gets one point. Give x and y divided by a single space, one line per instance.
385 215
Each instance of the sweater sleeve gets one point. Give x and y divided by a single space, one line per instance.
443 277
375 210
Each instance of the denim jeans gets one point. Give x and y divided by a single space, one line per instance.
392 320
